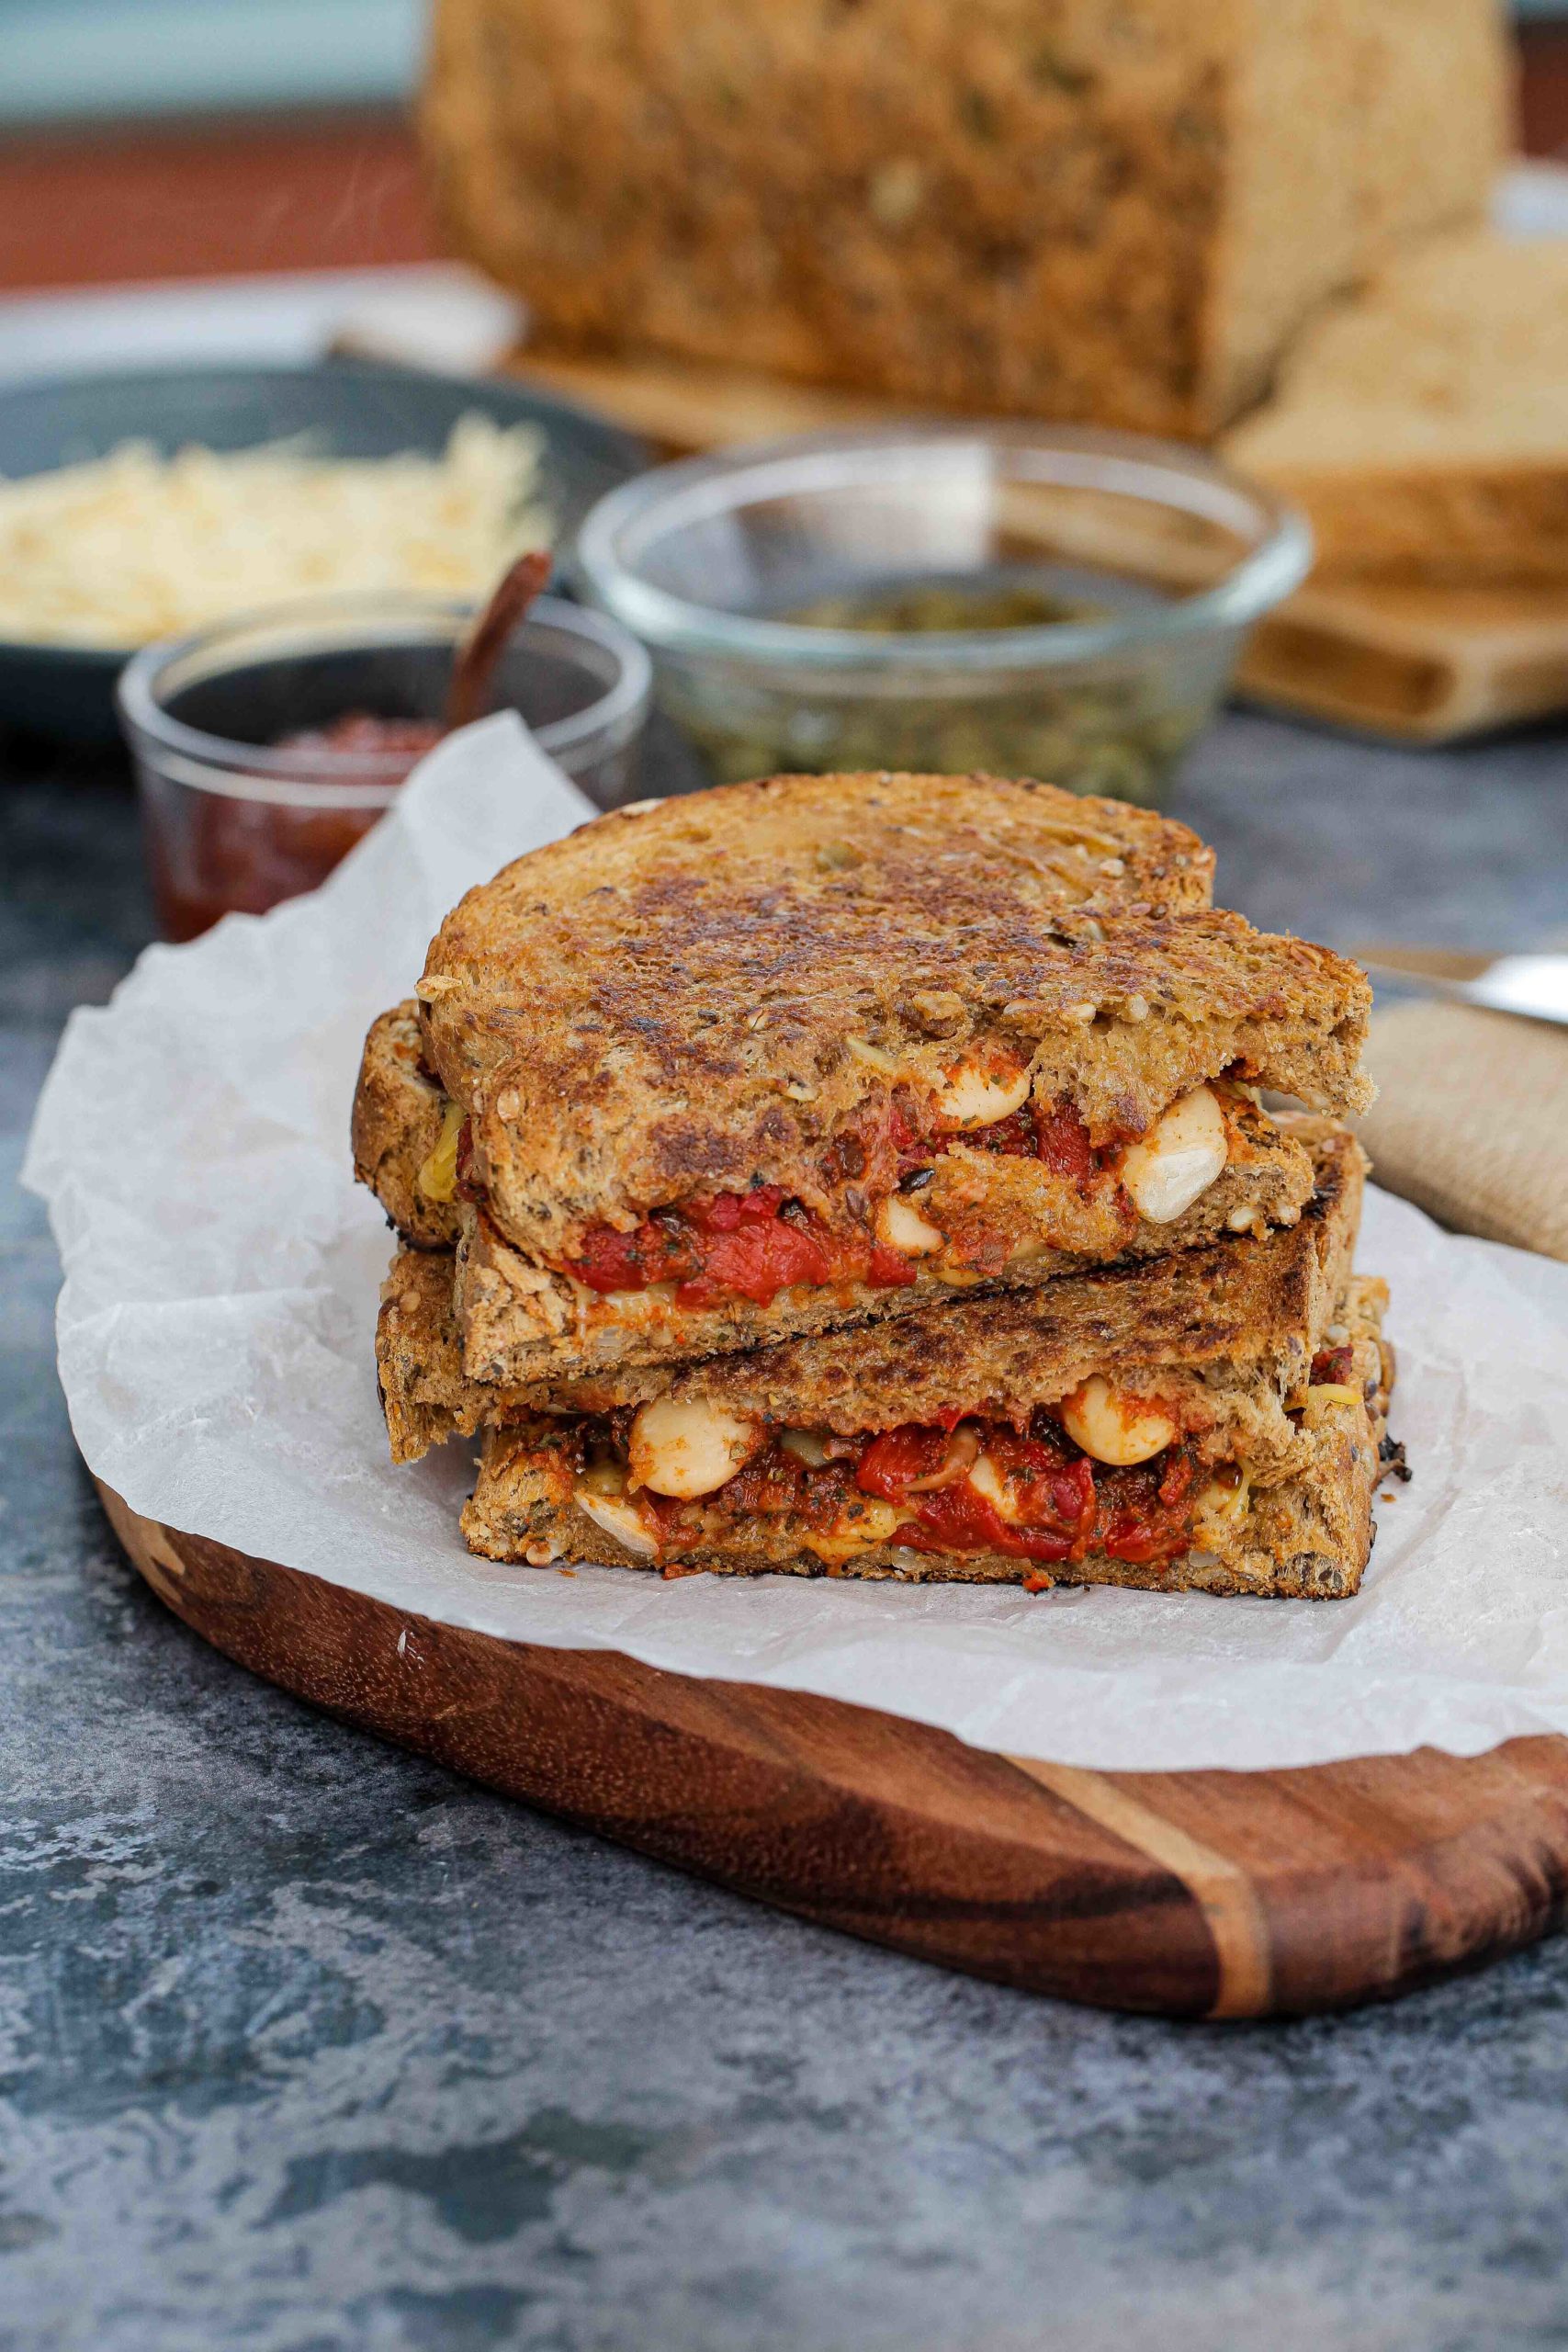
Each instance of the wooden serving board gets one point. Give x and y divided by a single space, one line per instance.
1418 664
1203 1894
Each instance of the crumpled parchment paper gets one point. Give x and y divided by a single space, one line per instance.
222 1271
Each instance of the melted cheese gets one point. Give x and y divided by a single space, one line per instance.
987 1482
619 1521
900 1225
438 1178
974 1096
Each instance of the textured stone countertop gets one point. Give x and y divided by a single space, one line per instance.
307 2045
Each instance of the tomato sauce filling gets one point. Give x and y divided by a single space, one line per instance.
754 1244
747 1245
1061 1504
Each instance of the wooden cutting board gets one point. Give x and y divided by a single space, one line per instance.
1418 665
1203 1894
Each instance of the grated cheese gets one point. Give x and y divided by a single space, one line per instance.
124 549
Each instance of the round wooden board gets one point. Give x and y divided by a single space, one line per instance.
1219 1895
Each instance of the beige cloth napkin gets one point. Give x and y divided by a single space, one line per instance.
1471 1120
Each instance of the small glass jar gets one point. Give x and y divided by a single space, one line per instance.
1027 599
237 817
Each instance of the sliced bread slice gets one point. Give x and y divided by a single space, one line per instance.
1423 425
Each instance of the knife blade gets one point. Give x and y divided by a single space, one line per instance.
1533 986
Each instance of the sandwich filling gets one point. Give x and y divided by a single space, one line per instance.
982 1486
1209 1419
754 1244
1217 1328
912 1189
1119 1475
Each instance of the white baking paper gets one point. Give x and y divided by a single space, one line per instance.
222 1271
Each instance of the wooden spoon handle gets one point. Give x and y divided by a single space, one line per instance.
474 662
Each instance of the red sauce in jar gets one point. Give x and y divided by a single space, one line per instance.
212 855
217 856
361 732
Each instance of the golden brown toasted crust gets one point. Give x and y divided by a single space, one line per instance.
703 997
1308 1537
1239 1310
1421 424
398 1112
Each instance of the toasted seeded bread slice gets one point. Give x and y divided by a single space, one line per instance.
1032 844
714 994
400 1117
1245 1309
1306 1537
1117 213
522 1322
1422 424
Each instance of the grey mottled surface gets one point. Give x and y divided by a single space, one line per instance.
304 2044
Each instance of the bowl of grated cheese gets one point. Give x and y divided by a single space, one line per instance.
137 507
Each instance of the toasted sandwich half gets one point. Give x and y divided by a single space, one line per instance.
1208 1420
809 1052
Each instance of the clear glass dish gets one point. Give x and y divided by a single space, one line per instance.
1035 600
235 820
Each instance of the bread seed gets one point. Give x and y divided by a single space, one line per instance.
895 193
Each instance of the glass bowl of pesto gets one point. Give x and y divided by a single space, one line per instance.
943 598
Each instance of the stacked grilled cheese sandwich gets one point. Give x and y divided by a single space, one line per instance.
870 1175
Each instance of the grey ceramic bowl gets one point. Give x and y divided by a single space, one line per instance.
351 408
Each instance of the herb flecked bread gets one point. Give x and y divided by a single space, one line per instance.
1027 846
523 1322
1113 211
520 1322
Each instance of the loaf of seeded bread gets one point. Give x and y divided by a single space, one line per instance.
1424 425
1113 210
